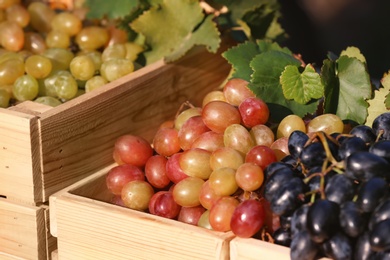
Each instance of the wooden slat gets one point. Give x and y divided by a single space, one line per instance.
254 249
23 230
89 228
20 174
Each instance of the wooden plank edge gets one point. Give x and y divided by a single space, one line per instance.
53 198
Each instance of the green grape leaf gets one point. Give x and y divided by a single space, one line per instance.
265 83
380 102
331 86
169 24
200 37
354 89
239 57
98 9
387 102
353 52
301 87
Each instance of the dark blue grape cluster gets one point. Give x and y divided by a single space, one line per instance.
331 193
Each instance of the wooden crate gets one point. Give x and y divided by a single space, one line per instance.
255 249
24 232
87 226
43 150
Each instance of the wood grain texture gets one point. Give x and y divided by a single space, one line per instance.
88 228
20 174
24 231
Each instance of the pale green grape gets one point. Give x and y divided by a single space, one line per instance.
10 70
25 88
94 83
38 66
59 57
96 57
116 68
46 87
49 101
41 16
66 22
92 37
5 96
19 14
82 67
57 39
64 84
114 51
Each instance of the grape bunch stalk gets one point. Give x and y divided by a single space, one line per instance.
331 193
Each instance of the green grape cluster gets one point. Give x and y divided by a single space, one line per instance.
52 55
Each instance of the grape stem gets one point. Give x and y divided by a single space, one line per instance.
182 106
329 164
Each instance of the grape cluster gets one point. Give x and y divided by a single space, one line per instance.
205 167
52 55
331 193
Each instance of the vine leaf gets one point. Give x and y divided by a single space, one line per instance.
301 87
167 30
240 57
380 102
355 89
98 9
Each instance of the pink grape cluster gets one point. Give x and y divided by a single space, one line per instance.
205 167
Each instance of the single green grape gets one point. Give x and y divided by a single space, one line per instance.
25 88
114 51
57 39
59 57
116 68
5 96
49 101
10 70
64 83
96 57
46 87
82 67
94 83
38 66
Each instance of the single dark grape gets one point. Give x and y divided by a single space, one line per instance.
296 143
371 193
282 236
381 148
351 145
362 166
312 155
352 220
366 133
299 219
379 236
302 247
323 220
287 198
285 221
381 126
363 249
276 180
385 255
339 189
339 246
273 167
381 212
